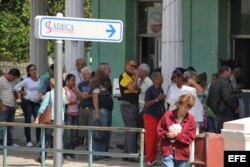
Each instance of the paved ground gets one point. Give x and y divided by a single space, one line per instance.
26 159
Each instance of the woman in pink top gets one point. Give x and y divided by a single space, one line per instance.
71 116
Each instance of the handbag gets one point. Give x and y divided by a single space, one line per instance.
98 135
45 117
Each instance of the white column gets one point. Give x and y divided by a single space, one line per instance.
73 49
38 47
172 39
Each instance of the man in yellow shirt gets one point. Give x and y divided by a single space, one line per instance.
128 82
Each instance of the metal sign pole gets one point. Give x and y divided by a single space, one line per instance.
58 132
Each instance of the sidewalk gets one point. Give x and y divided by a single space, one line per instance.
26 159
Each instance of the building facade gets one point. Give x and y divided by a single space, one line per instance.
172 33
166 33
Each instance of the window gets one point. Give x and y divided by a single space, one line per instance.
149 28
149 17
240 17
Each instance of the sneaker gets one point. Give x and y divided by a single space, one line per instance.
15 145
73 156
29 144
37 160
156 163
66 157
70 157
148 164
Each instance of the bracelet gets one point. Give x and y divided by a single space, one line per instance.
156 100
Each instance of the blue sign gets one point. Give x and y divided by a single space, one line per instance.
69 28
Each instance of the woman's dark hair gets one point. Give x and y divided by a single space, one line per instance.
28 69
178 72
202 79
51 67
69 76
190 68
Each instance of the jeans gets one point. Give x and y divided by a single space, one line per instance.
30 109
70 135
106 121
171 162
227 115
212 124
7 116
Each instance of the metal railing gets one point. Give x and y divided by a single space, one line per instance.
90 151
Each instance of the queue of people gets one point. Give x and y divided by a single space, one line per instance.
189 94
172 118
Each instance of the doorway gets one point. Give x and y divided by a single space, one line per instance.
150 51
240 37
149 28
241 54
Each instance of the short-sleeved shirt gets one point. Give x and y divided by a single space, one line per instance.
104 96
84 87
157 109
6 92
144 85
44 83
197 109
49 98
127 95
72 109
173 95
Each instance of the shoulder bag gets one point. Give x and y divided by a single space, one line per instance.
45 117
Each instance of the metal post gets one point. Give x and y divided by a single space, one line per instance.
5 144
90 145
58 101
43 147
142 149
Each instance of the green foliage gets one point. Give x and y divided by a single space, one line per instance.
14 43
55 7
87 9
87 14
18 7
15 26
14 30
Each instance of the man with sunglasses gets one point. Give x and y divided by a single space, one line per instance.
128 82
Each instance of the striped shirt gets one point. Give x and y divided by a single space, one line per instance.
6 92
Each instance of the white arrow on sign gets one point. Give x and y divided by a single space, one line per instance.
69 28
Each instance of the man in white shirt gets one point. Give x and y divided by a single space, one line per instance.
144 83
79 63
